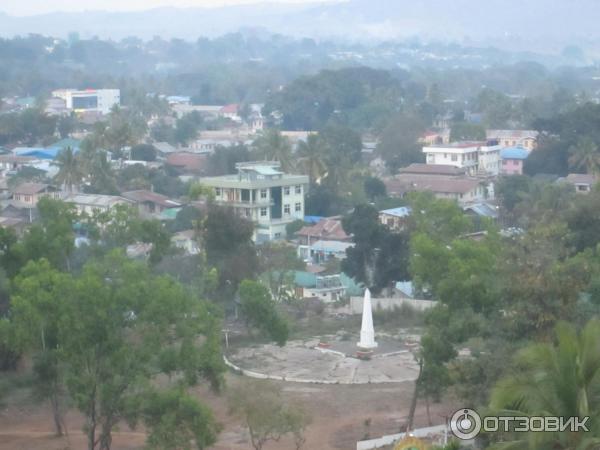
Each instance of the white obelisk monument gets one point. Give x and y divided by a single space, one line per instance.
367 332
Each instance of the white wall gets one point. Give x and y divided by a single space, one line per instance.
389 304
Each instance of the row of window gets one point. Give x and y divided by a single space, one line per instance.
264 192
286 209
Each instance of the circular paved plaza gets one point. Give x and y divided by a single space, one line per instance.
305 361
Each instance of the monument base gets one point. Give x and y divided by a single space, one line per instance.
364 354
369 346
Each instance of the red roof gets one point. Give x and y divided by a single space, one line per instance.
190 162
230 109
328 228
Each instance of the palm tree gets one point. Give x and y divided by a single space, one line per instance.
311 159
70 172
561 380
585 156
273 146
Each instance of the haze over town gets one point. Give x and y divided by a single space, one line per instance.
291 225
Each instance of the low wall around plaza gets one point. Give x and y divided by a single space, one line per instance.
389 304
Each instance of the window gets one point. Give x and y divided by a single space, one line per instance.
263 212
263 193
248 213
286 190
298 207
218 192
454 157
286 209
277 235
299 189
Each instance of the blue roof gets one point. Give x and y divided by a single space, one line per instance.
514 153
312 219
67 142
40 152
402 211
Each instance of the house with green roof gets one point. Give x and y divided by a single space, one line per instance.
326 287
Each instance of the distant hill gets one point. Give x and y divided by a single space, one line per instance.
518 24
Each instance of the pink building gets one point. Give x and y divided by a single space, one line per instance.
513 159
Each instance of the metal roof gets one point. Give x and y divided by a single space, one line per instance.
514 153
402 211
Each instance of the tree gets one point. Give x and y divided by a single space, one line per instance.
37 308
224 159
52 237
511 190
178 421
278 261
70 172
114 325
143 152
188 218
495 106
266 415
259 310
271 145
465 131
311 158
187 127
227 239
374 188
585 156
379 256
66 125
399 145
559 379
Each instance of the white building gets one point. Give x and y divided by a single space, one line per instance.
475 157
94 100
263 194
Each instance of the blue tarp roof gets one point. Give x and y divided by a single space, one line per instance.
514 153
39 152
312 219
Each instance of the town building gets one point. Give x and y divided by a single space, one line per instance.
464 189
514 138
473 156
13 163
187 163
93 203
325 229
513 160
395 219
264 194
89 100
30 193
151 204
584 183
186 241
319 251
435 137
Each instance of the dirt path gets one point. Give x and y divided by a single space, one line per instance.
341 415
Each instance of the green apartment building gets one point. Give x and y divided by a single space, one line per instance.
264 194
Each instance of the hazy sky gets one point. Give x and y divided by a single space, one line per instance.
29 7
